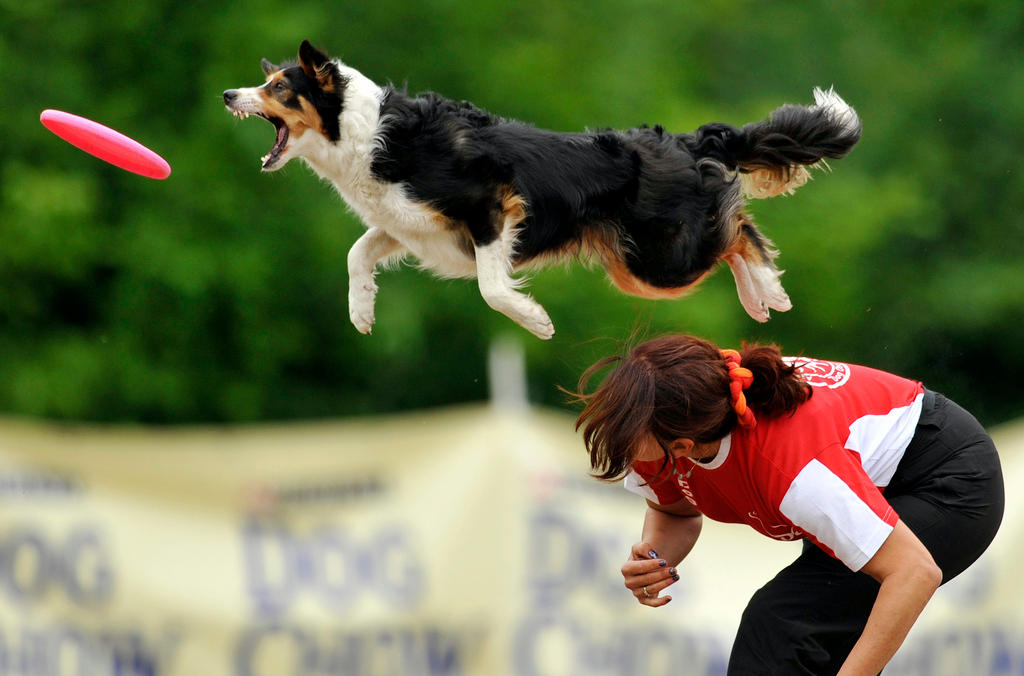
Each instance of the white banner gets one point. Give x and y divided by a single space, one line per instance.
465 541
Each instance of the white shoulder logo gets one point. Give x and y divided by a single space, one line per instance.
821 373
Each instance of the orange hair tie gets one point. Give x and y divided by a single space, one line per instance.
739 379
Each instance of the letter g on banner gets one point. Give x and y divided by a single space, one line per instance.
34 563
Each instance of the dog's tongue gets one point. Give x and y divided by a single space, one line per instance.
282 140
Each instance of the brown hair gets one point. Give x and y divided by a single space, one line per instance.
674 387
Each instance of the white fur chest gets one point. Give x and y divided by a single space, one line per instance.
346 164
423 231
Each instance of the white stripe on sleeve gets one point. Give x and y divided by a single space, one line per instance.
882 439
820 503
635 483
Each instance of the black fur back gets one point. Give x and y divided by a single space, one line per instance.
643 184
663 199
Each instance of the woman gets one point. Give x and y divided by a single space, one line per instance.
894 490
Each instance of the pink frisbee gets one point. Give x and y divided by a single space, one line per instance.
105 143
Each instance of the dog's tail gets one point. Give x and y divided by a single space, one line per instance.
773 155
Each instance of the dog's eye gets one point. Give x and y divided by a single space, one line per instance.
279 86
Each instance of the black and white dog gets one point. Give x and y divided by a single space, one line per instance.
470 194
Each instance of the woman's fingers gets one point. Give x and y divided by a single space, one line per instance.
643 550
654 582
653 601
646 575
649 595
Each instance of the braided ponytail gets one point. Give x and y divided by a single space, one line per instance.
680 387
776 387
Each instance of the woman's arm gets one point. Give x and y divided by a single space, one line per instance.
669 533
909 577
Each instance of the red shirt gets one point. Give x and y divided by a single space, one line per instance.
818 473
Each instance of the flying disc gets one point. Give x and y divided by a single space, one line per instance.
105 143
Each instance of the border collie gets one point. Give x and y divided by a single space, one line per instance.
470 194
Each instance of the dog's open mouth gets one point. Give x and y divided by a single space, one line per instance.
280 142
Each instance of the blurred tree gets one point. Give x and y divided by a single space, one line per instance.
220 294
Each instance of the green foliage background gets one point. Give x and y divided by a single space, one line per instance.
220 293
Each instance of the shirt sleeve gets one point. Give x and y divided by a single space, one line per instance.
839 508
653 482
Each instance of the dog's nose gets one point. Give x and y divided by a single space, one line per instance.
230 95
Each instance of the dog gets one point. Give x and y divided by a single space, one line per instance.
470 194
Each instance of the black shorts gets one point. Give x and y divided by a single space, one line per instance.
948 489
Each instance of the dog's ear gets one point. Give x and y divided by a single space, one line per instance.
268 67
317 66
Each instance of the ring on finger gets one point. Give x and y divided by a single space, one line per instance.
646 593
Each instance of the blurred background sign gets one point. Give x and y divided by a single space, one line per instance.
462 541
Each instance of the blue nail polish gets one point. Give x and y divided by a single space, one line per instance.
653 554
663 563
675 578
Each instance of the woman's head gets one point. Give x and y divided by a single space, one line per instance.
676 387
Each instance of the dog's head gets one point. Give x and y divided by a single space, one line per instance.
302 100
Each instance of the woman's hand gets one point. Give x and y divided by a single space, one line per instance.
647 575
671 529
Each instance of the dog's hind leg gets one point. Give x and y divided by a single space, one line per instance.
374 246
494 268
751 260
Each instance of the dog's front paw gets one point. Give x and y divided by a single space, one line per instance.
542 331
362 321
539 324
361 299
521 309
